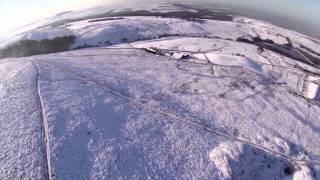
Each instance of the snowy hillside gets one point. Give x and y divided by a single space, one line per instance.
152 97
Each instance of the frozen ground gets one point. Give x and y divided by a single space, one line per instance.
173 99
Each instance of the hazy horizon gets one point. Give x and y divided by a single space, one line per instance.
16 13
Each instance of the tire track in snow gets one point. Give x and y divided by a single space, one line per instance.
186 121
45 126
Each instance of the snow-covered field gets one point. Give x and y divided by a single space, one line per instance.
163 98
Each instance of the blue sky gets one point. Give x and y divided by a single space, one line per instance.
14 13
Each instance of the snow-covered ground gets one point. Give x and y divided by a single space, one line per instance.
161 98
21 144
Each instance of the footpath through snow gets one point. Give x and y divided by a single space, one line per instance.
177 99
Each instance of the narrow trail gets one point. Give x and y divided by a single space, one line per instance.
45 126
173 117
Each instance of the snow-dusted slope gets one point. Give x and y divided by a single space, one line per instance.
163 98
22 151
115 30
97 134
131 29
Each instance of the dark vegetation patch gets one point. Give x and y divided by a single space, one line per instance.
188 15
196 14
105 19
31 47
85 45
309 50
287 50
